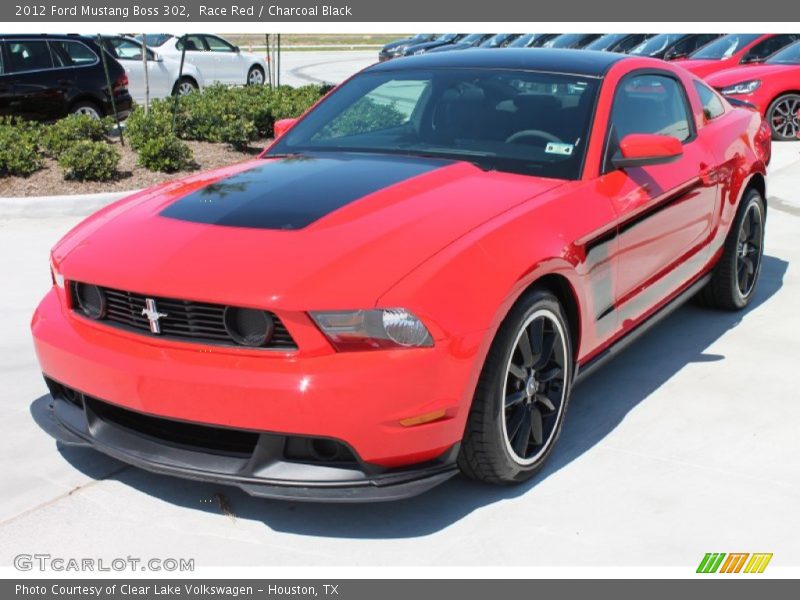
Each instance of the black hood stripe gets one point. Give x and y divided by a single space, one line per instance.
293 192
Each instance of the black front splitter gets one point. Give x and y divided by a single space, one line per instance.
264 474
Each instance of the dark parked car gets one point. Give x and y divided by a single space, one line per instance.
532 40
395 48
469 41
443 40
500 40
671 46
618 42
572 40
46 77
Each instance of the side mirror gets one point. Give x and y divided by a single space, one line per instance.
282 126
749 60
645 149
675 55
237 49
157 57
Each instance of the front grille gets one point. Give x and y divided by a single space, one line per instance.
195 436
185 320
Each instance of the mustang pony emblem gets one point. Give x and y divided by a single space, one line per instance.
151 312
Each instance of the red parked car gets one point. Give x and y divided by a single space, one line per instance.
736 49
772 87
396 289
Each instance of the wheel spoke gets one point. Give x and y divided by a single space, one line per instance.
515 398
517 372
537 430
549 374
516 421
520 443
548 345
525 348
546 402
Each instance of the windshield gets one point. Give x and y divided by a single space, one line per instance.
523 40
788 56
606 41
496 40
531 123
446 37
154 39
473 38
725 47
656 45
565 41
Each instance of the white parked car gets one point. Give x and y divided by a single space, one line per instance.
163 71
217 59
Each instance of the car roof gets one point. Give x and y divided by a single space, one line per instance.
578 62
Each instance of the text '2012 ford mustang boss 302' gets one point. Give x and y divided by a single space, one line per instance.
409 280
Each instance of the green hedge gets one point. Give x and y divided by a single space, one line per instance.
236 116
20 147
86 160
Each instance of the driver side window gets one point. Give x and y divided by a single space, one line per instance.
648 103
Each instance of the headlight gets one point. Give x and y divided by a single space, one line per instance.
745 87
56 276
420 52
372 329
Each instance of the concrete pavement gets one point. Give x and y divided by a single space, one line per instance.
686 443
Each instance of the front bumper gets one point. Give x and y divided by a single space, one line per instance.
261 469
358 398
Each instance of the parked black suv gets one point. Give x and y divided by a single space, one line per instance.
46 77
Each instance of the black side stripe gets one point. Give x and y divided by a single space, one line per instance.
628 224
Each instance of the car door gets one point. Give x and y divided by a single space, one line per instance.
665 212
197 55
41 79
230 66
6 85
129 54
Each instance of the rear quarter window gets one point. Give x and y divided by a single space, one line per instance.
75 53
712 105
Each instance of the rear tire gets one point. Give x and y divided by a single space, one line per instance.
734 277
522 394
86 107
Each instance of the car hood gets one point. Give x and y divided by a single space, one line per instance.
289 233
748 72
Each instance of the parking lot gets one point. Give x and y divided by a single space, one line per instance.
686 443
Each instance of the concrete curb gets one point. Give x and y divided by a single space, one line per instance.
72 205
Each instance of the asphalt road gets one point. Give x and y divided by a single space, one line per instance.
325 66
687 443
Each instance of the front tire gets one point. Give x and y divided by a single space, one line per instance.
522 394
734 278
783 116
185 86
255 76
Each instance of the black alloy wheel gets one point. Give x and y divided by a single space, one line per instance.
534 387
749 249
522 394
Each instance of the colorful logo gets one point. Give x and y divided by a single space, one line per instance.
735 562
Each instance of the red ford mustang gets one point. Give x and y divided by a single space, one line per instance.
773 87
410 280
